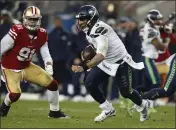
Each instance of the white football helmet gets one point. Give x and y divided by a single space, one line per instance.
32 18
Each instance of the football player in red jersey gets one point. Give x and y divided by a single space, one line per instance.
17 50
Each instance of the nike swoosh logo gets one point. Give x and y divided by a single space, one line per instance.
110 112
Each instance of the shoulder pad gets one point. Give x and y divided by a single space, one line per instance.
44 33
152 33
101 30
15 30
42 30
17 27
97 31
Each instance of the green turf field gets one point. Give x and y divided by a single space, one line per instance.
33 114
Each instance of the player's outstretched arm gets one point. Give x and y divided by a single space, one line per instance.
44 51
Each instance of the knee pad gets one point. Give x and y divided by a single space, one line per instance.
53 86
14 96
125 92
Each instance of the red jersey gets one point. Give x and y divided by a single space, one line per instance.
164 54
20 56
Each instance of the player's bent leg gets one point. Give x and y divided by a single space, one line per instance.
53 99
93 80
169 85
12 80
151 73
126 90
37 75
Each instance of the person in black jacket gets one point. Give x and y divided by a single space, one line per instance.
58 44
133 46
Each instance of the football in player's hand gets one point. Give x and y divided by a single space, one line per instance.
88 53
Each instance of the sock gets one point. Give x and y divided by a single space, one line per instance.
7 100
53 99
140 108
136 98
11 97
106 106
154 94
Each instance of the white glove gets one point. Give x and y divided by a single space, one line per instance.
168 29
49 69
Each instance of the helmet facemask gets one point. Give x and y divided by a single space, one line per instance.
32 23
32 18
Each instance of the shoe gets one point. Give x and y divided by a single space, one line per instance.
105 114
58 114
144 113
4 109
143 109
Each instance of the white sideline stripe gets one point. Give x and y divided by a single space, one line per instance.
33 10
13 32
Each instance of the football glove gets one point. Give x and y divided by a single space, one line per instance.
49 69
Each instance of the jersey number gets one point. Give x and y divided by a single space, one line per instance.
25 54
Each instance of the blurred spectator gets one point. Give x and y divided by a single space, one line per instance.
133 46
58 43
18 12
79 43
7 5
112 22
133 42
72 7
6 22
122 28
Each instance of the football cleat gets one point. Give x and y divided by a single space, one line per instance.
58 114
144 113
143 110
4 109
105 114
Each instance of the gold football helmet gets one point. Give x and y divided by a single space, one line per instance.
32 18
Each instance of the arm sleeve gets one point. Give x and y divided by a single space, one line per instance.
44 51
7 43
102 45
